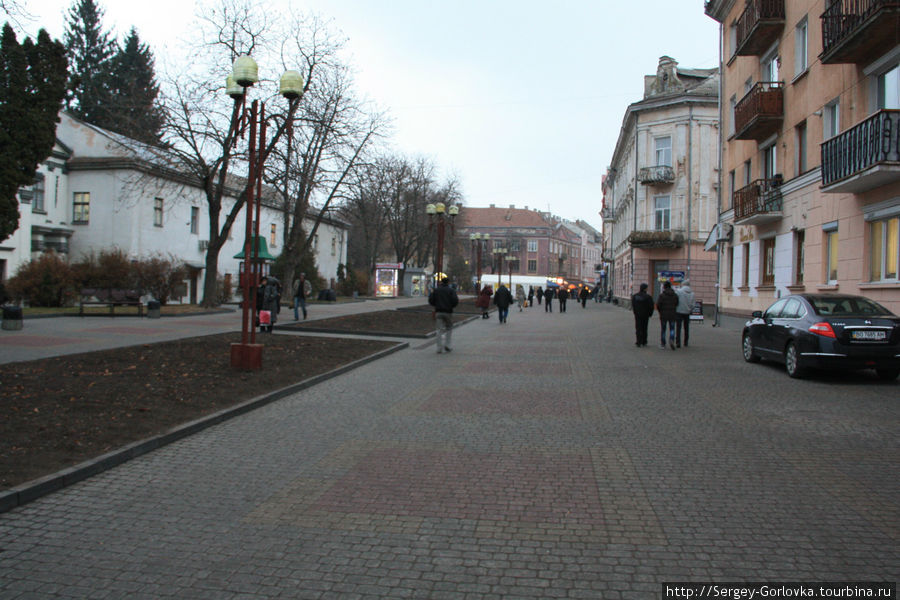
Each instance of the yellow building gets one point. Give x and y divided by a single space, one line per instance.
810 165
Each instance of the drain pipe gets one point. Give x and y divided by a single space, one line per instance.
719 176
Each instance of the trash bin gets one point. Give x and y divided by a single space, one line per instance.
12 318
153 309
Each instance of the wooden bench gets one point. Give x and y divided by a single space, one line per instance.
110 298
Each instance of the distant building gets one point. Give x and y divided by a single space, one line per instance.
100 190
811 150
659 192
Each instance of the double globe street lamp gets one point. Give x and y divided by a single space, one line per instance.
439 215
478 241
500 254
245 73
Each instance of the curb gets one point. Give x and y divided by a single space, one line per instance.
32 490
417 336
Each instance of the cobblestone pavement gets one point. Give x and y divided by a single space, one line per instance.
544 458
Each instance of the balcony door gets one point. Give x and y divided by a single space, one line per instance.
769 66
889 89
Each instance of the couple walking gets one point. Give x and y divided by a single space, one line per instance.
674 307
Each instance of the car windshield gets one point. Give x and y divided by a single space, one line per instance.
847 305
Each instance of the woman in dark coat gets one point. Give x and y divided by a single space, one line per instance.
530 296
484 300
503 299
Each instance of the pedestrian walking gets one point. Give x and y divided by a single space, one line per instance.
563 295
503 299
583 296
683 312
520 296
267 301
548 299
530 296
444 299
540 294
666 305
301 291
484 301
642 307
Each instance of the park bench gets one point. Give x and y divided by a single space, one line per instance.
110 298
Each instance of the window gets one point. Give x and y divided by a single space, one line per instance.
515 245
802 150
664 151
195 219
885 249
731 267
889 88
733 103
732 39
273 235
663 209
831 252
831 119
158 212
799 256
747 172
769 67
37 197
514 265
81 208
768 256
731 189
801 42
745 260
333 245
532 266
532 245
769 162
793 309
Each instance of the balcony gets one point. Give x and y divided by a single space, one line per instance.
858 31
656 239
759 26
864 157
759 114
759 202
608 214
656 175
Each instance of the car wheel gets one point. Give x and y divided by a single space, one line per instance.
747 348
887 374
792 361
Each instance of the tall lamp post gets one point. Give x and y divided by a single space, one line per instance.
247 355
478 241
500 253
439 215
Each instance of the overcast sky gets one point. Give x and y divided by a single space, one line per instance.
522 100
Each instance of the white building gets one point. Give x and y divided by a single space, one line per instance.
100 190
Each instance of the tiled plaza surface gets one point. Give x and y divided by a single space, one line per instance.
544 458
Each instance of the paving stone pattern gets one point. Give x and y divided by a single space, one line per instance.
544 458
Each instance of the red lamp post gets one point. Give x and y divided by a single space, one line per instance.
478 241
248 354
439 215
500 253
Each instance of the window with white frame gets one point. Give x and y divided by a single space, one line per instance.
889 88
802 150
830 233
158 212
532 265
663 151
663 212
195 219
532 245
273 235
801 44
768 261
885 249
37 198
799 256
81 208
769 66
733 104
831 117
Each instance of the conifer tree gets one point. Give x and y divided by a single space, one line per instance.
133 109
89 49
32 89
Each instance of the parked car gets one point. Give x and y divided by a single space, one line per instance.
827 331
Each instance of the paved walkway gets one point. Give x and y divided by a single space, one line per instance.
544 458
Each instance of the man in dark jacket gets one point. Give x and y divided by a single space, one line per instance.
549 293
583 296
502 298
563 295
642 307
444 299
666 304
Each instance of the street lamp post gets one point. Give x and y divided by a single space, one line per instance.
440 215
478 239
248 354
500 253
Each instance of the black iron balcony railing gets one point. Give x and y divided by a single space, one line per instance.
858 152
761 200
858 30
759 114
759 26
657 174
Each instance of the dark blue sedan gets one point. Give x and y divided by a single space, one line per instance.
825 331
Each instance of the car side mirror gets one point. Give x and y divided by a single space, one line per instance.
757 314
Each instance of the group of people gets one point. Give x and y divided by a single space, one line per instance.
674 308
503 299
268 299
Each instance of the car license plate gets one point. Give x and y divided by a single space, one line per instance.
863 334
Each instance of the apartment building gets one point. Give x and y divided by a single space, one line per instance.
659 192
810 150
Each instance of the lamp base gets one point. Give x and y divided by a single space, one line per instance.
246 357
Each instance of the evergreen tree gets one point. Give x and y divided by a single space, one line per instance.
89 49
133 109
32 89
